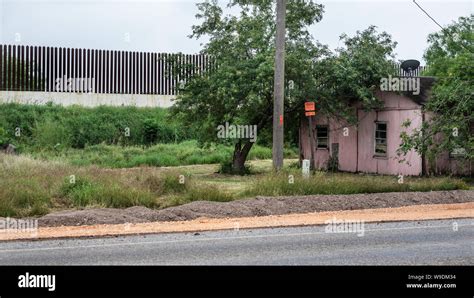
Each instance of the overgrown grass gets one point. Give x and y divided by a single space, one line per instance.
342 183
161 155
116 137
30 187
83 192
56 127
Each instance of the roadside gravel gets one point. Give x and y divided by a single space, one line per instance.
259 206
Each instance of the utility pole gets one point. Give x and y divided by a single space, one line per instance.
279 86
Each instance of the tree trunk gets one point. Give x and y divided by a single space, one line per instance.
240 156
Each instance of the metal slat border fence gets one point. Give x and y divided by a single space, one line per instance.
33 68
53 69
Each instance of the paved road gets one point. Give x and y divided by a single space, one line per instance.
425 242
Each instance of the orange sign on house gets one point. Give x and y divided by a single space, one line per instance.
310 108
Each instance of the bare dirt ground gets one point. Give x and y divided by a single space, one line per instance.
260 206
416 212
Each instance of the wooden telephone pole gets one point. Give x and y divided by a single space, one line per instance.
279 86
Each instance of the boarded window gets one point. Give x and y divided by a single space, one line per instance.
381 138
322 136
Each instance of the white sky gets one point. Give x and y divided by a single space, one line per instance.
164 26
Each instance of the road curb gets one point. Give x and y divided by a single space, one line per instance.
407 213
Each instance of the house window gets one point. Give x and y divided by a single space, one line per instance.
322 136
381 138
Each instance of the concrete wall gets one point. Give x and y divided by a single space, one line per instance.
85 99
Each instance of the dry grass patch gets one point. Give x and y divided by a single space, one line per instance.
30 187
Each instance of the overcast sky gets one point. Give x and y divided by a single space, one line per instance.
164 26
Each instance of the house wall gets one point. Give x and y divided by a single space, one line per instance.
444 164
321 156
347 143
356 148
392 164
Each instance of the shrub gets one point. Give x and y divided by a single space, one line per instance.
91 126
150 131
50 134
3 137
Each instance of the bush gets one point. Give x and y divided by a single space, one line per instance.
49 134
3 137
90 126
150 131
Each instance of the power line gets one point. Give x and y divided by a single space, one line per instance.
442 28
428 15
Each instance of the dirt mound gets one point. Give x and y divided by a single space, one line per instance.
259 206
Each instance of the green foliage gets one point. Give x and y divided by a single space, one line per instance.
3 137
168 183
22 197
86 192
80 127
150 131
30 187
353 73
48 134
240 89
326 184
450 60
161 155
203 193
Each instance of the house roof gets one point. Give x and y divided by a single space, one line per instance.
426 83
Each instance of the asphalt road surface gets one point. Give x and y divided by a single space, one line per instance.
438 242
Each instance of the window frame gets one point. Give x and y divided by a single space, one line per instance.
379 154
326 137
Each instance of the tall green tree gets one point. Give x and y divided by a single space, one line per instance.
450 59
240 89
352 74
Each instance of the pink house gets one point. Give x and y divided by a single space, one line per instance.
371 145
